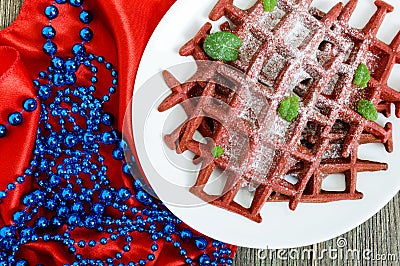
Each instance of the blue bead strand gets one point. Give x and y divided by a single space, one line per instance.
16 118
71 174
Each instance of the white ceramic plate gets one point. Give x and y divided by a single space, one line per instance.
171 175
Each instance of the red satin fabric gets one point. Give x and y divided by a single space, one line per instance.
121 31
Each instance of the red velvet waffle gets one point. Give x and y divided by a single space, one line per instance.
293 50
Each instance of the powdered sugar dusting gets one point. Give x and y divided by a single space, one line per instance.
298 34
247 51
269 20
272 68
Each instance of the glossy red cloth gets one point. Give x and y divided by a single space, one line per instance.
121 31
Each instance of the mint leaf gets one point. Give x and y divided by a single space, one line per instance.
223 46
217 151
289 108
269 5
367 110
362 76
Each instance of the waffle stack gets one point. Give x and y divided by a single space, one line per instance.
296 49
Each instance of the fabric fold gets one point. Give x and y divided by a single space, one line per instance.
16 147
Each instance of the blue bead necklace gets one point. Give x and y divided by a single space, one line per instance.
73 190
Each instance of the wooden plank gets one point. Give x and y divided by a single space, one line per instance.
380 236
9 10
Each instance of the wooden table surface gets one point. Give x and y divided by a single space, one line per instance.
377 241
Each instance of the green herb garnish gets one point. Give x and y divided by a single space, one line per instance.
223 46
289 108
217 151
367 110
269 5
362 76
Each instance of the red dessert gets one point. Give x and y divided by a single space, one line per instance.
293 50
